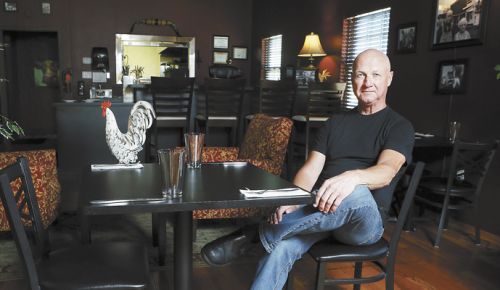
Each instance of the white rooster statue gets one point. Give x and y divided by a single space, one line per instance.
126 146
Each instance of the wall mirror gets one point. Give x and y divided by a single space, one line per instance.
144 56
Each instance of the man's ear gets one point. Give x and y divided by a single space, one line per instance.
389 79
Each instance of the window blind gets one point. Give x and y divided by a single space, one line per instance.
360 32
271 57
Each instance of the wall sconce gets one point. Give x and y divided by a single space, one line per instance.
312 48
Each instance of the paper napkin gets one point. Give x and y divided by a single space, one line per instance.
96 167
285 192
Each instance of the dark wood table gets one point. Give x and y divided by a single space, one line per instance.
214 186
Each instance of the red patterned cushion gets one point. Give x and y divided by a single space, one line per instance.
264 146
44 174
267 139
219 154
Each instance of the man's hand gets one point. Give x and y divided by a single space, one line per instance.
333 191
277 215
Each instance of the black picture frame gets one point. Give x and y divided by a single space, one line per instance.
220 56
458 23
220 42
452 76
10 6
406 38
304 76
240 52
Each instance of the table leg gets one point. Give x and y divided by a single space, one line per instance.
161 239
85 228
183 250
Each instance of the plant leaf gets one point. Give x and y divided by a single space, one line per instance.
497 67
5 133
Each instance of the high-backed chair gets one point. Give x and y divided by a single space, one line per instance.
172 99
461 187
323 101
223 106
264 145
117 265
276 98
330 251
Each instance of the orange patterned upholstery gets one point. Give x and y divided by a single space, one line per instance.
264 146
44 173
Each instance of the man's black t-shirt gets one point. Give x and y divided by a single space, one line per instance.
354 141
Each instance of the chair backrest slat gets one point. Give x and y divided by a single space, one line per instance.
172 96
224 97
277 98
325 99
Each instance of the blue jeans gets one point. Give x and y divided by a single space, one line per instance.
356 221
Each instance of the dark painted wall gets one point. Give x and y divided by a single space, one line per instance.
412 91
84 24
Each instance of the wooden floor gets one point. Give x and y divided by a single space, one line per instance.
457 264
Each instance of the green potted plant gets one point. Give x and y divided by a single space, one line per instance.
9 129
497 68
137 72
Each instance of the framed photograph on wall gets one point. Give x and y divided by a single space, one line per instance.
304 77
452 76
221 42
458 22
221 56
240 52
406 40
9 6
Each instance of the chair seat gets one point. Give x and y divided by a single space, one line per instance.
303 118
328 251
223 118
437 185
68 268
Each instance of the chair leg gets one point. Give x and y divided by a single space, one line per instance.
320 276
195 227
442 221
389 281
358 269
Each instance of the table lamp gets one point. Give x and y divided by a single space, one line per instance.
312 48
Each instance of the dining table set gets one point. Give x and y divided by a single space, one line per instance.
140 189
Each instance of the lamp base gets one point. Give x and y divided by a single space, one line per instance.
311 65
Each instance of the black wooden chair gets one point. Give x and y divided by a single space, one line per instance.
223 106
172 99
461 187
323 101
117 265
329 251
276 98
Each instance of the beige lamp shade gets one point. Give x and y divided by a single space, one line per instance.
312 46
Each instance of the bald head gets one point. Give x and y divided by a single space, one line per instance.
373 53
371 77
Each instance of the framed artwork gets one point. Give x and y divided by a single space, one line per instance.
458 22
221 42
45 8
406 40
304 77
451 77
240 52
221 56
10 6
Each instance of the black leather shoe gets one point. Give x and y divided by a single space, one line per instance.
223 250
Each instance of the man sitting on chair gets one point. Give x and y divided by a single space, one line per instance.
354 158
